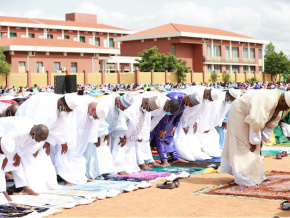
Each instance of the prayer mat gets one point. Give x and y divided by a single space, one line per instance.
282 145
273 152
176 169
147 175
275 188
73 193
115 178
18 210
213 159
99 185
194 164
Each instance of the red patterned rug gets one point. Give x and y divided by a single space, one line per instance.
277 186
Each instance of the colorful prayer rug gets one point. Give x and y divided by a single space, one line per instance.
276 188
176 169
116 178
18 210
147 175
282 145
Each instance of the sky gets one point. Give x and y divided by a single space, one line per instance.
262 19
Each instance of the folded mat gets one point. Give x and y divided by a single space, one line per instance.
18 210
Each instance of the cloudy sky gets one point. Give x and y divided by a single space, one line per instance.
262 19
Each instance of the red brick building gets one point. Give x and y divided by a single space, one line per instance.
204 49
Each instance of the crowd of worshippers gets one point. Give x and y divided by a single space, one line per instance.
75 139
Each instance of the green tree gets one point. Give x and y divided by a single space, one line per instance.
151 59
213 77
226 77
269 48
4 66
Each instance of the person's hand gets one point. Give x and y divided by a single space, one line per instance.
194 128
149 139
5 161
140 140
63 148
16 160
122 142
261 145
253 148
98 144
107 137
173 130
224 125
186 130
36 153
162 133
206 131
47 147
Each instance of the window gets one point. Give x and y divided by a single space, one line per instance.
245 52
12 35
56 67
49 36
260 69
235 68
66 37
40 36
75 38
217 50
227 51
59 37
252 69
217 68
73 67
260 54
111 43
245 68
0 35
208 50
173 49
228 68
252 53
39 66
31 35
97 41
209 69
82 39
23 35
21 64
235 52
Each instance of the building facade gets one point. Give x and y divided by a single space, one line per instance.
204 49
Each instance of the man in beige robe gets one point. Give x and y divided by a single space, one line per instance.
251 120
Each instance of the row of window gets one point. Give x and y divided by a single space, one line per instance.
56 66
92 41
235 52
234 68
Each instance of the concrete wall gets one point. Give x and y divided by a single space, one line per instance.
111 78
145 77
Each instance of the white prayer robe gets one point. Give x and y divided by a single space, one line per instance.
42 109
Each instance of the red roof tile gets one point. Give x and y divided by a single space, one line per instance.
172 28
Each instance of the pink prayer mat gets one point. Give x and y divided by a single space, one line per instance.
149 175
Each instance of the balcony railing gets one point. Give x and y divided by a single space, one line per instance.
230 60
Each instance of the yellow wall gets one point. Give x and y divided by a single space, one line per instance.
198 77
241 77
188 78
18 79
55 74
259 77
2 80
39 78
207 77
172 78
232 78
145 77
111 78
268 77
95 78
80 78
250 75
128 78
159 77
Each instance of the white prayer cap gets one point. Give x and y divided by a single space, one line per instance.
126 100
194 99
214 94
287 98
102 111
154 103
235 93
72 100
7 144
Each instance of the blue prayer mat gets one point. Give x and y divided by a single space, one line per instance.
18 210
176 169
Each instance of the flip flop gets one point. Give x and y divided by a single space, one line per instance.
70 205
171 177
166 185
284 153
284 205
113 193
183 175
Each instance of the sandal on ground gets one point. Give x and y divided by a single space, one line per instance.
284 153
284 205
166 185
176 183
279 156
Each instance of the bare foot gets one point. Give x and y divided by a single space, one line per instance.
180 160
29 191
144 167
123 173
68 183
154 164
165 164
8 175
90 180
7 196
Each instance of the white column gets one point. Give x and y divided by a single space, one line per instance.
45 33
26 32
8 32
231 54
117 67
108 41
105 66
62 34
130 67
263 47
78 36
94 38
212 67
231 69
212 47
248 50
249 69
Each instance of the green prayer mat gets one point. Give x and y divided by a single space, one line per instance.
279 136
175 169
282 145
267 152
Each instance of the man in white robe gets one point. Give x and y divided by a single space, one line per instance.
251 120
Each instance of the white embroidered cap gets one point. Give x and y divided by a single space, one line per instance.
7 145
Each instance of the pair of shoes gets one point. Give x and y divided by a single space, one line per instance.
183 175
171 177
285 206
169 185
113 193
144 184
279 156
284 153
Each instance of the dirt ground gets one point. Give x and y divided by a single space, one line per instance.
154 202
